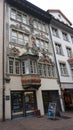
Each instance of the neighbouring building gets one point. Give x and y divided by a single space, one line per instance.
28 71
62 38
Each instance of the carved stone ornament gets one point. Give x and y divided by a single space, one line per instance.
14 51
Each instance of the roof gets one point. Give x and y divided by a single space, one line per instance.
57 10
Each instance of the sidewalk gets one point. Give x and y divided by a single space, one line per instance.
39 123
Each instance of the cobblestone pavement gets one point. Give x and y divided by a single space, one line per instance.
39 123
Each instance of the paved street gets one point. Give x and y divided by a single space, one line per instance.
39 123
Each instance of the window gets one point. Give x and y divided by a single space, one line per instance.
19 16
65 36
58 49
42 44
33 67
14 66
26 39
46 70
43 27
13 14
71 67
63 69
39 26
35 24
11 66
14 36
69 52
23 67
55 32
17 67
40 69
24 19
19 38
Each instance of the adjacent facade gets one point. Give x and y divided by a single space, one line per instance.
62 39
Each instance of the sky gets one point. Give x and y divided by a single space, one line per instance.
65 6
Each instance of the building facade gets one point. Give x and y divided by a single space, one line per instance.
62 39
29 69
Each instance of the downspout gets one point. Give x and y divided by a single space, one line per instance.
61 96
3 64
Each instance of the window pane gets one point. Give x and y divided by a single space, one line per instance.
38 43
23 67
20 38
17 67
63 69
19 17
11 66
27 67
49 70
26 39
13 14
14 36
35 24
39 26
24 18
40 69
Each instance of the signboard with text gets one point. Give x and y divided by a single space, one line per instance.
52 110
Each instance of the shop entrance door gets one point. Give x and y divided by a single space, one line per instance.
16 104
23 103
30 103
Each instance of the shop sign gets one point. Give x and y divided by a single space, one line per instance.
52 110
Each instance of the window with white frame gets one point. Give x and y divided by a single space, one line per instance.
14 36
17 66
58 49
13 14
11 65
71 67
42 44
65 36
14 66
46 70
39 25
40 69
63 69
55 32
44 27
19 16
33 67
20 38
69 51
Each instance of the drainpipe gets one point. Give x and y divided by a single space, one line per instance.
3 64
62 103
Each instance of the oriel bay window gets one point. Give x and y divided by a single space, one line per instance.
20 38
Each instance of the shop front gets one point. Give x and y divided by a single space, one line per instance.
50 96
23 103
68 99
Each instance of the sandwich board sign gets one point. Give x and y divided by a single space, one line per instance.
52 110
